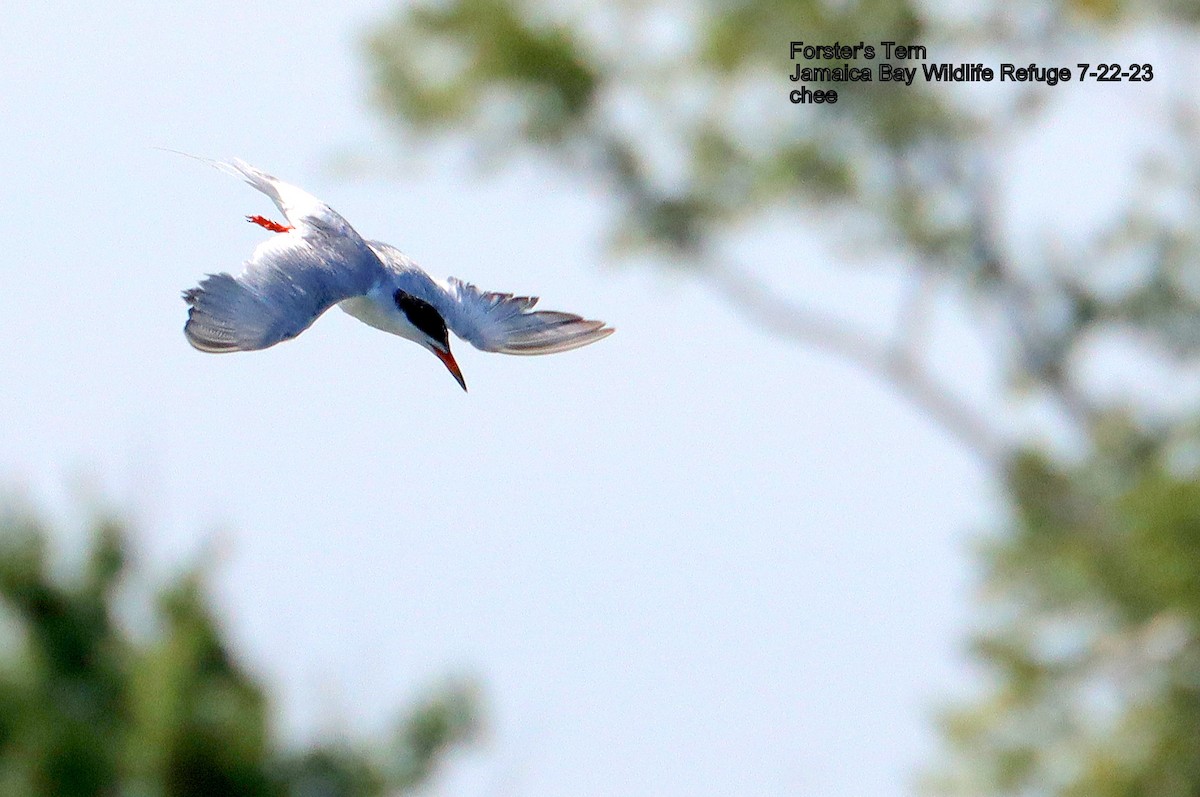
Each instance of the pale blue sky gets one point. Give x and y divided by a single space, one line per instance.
690 560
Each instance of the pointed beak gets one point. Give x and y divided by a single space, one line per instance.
448 360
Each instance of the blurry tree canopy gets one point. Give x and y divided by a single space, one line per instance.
1091 621
89 708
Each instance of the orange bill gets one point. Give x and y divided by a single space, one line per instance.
448 360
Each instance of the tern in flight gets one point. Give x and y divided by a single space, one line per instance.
317 260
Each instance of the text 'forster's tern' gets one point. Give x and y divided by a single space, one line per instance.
317 260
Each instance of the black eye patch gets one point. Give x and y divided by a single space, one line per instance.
422 316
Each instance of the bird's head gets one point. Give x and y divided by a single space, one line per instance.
428 329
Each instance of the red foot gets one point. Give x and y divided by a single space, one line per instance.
273 226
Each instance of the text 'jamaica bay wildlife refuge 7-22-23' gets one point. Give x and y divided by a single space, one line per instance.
317 260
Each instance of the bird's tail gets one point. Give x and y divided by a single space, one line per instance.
256 178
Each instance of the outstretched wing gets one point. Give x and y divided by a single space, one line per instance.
287 284
508 324
289 281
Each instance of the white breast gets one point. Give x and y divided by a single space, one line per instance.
376 309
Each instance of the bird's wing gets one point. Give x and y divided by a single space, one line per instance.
507 324
290 280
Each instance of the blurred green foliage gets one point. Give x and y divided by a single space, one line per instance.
517 74
1090 620
90 708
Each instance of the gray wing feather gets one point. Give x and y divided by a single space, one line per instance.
504 323
289 281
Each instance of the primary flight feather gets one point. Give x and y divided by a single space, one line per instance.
318 260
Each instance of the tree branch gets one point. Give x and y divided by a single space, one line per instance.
893 365
912 322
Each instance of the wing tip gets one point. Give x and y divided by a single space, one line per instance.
582 332
204 330
206 345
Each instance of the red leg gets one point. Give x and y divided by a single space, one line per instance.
266 223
